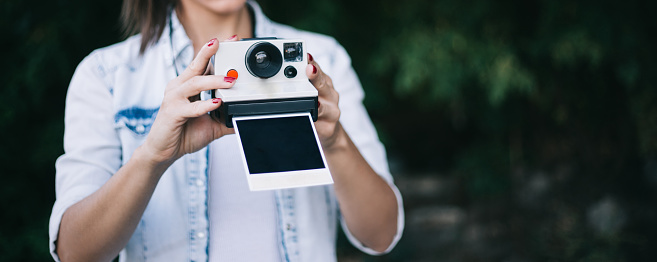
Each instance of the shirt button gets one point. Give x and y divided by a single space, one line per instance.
199 182
200 235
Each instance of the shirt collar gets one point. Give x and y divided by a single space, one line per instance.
178 41
262 23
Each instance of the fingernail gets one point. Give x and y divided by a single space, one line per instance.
310 57
232 37
318 104
314 69
229 79
216 100
212 42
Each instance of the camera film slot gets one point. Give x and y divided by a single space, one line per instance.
281 151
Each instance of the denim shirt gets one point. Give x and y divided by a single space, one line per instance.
112 101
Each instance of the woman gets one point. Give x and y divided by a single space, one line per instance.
148 173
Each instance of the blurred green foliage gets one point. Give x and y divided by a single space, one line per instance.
43 42
476 90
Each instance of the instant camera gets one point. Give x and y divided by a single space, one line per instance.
271 78
272 106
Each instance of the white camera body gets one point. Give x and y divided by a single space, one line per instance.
271 78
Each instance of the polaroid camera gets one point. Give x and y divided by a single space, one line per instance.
271 78
272 107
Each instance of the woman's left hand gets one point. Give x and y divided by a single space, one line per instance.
327 125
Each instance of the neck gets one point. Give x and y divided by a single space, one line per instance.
202 24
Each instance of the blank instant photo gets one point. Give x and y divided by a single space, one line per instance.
281 151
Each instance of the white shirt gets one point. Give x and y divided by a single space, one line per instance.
243 224
112 101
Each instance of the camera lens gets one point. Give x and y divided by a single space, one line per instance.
290 72
263 60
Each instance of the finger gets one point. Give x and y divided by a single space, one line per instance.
199 108
232 38
328 110
221 129
198 84
208 68
217 128
200 62
320 81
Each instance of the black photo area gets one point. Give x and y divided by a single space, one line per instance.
279 144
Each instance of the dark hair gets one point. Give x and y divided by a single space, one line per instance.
148 17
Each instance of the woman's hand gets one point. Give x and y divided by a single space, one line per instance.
327 125
183 124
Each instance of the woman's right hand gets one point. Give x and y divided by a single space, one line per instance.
182 124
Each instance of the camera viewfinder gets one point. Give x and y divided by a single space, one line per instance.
293 52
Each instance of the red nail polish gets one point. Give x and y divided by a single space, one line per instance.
318 104
229 79
232 37
212 42
216 100
310 57
314 69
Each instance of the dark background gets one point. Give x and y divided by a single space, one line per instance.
516 130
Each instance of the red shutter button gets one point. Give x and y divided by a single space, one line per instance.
232 73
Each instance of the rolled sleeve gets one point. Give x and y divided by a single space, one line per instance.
359 127
92 151
398 234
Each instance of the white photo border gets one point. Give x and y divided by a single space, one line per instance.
287 179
